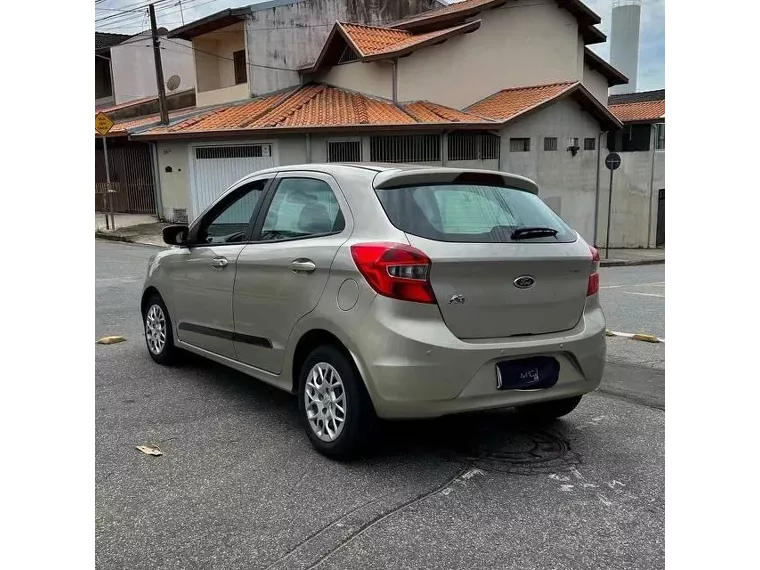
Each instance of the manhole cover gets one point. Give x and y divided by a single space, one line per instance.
494 446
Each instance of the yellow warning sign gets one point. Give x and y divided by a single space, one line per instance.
103 123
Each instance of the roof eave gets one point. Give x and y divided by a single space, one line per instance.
649 121
210 23
274 131
605 117
614 77
438 21
458 30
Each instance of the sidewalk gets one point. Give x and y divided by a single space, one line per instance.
134 228
623 257
146 230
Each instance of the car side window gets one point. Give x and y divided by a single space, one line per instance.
302 207
230 223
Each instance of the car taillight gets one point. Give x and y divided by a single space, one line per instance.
395 270
593 279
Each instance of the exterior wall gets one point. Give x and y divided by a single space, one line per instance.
624 43
134 69
374 78
567 183
633 221
596 83
215 68
290 149
522 43
290 36
219 96
175 185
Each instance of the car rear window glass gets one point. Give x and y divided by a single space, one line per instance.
470 213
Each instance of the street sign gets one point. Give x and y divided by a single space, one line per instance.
613 161
103 123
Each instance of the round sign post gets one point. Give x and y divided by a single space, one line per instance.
612 162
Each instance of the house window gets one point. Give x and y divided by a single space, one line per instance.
405 148
216 152
344 151
241 75
473 146
659 136
519 145
550 143
589 143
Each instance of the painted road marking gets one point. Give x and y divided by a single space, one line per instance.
644 294
636 336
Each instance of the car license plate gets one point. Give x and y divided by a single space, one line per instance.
534 373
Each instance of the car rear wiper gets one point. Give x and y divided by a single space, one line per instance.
527 232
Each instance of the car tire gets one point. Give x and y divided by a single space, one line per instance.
328 383
156 320
548 411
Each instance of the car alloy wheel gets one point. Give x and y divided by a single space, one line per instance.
155 329
325 401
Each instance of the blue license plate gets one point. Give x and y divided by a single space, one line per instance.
534 373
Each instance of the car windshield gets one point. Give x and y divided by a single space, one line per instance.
473 213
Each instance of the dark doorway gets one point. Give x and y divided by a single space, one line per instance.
665 219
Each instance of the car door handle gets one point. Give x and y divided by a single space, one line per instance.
219 262
303 265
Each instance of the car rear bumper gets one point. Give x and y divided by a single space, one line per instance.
414 367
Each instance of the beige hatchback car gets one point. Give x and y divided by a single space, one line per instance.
384 291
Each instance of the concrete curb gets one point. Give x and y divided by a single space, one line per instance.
642 337
124 239
630 262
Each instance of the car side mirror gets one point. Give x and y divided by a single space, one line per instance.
175 235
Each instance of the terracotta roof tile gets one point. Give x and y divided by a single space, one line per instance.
509 103
317 105
372 40
427 112
123 127
643 111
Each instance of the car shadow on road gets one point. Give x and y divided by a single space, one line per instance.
499 440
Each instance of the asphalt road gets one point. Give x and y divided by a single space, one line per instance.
239 486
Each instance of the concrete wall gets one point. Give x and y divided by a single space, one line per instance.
636 186
225 95
134 69
567 183
291 36
374 78
523 43
596 83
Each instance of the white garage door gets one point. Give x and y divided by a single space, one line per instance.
216 168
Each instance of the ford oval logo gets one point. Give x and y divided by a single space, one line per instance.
524 282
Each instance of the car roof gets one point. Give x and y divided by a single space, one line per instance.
389 174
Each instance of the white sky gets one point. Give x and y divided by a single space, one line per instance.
168 14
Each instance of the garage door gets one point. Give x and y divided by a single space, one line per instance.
216 168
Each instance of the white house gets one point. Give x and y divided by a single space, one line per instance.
134 71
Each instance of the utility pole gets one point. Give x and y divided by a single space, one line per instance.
159 68
181 14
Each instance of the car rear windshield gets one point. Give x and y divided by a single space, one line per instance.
471 213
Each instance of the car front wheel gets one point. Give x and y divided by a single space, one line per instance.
158 331
334 404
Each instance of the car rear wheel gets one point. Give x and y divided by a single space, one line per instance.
158 331
333 404
547 411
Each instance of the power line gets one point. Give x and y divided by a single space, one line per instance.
129 18
229 58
